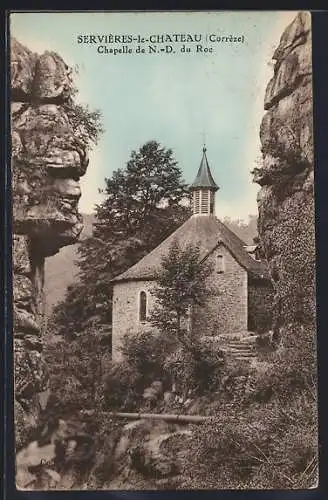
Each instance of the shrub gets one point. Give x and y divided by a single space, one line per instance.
146 352
268 440
123 387
288 370
195 367
259 447
151 356
143 363
75 371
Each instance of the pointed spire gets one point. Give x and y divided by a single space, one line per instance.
204 178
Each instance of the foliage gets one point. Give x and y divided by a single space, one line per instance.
152 356
181 284
144 361
143 204
260 306
69 316
195 370
76 371
147 352
296 286
86 123
106 432
290 369
123 387
270 446
269 439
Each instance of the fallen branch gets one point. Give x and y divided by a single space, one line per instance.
192 419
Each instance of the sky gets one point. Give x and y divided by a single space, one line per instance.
177 99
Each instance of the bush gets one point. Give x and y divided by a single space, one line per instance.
75 371
152 356
146 352
106 432
259 447
123 387
143 363
195 367
289 370
269 440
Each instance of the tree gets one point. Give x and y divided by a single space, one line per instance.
144 203
181 284
86 123
76 371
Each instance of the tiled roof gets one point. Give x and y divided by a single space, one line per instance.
204 177
208 232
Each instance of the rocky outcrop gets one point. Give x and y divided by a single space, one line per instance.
286 198
47 161
146 455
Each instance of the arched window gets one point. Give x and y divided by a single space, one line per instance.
220 264
142 306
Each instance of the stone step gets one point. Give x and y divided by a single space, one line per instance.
238 349
240 341
245 358
241 354
237 346
229 353
237 338
237 343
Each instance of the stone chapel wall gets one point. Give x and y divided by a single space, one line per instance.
226 312
126 311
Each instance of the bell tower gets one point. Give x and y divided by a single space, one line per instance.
203 189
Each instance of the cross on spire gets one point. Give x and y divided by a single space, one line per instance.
204 141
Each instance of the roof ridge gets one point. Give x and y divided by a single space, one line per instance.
149 254
209 231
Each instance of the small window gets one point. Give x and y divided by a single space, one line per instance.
142 306
220 264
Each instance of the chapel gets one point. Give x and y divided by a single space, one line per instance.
243 294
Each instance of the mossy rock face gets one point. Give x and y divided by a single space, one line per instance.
48 157
286 199
25 423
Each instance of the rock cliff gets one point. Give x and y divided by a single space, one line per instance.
47 161
286 202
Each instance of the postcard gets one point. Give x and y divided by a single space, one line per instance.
164 302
